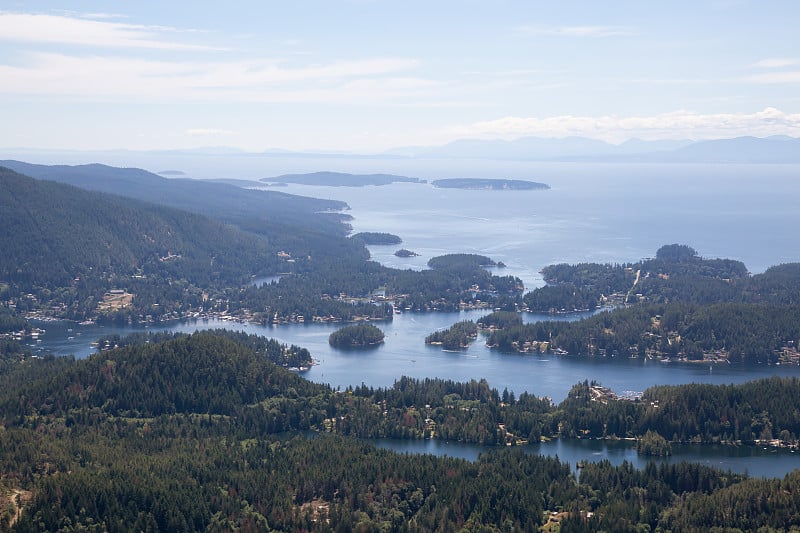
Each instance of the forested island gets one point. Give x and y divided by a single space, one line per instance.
677 273
373 237
456 337
458 261
402 252
200 423
356 336
488 183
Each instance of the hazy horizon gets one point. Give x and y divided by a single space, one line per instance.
362 76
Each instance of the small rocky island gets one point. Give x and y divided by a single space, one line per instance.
356 336
405 253
489 184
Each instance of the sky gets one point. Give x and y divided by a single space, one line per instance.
369 75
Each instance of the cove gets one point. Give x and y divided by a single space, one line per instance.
404 353
752 460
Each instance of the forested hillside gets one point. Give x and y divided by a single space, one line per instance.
727 332
189 434
68 246
676 274
251 209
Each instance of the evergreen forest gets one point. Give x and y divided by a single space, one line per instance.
203 432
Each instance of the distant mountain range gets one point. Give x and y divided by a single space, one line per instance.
776 149
340 179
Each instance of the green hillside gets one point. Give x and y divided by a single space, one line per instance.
66 244
255 210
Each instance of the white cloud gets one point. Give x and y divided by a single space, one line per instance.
774 77
102 16
123 78
775 62
577 31
59 29
207 132
675 125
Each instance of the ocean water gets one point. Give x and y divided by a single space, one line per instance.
605 212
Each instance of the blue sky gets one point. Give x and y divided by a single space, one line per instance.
368 75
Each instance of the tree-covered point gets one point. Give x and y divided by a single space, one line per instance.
738 333
651 443
356 336
199 373
677 253
373 237
562 298
457 337
500 320
460 261
677 273
758 411
680 259
274 351
591 277
12 322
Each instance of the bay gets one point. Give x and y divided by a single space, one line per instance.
751 460
404 352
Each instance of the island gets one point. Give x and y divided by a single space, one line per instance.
356 336
373 237
460 261
500 320
653 444
457 337
489 184
405 253
341 179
